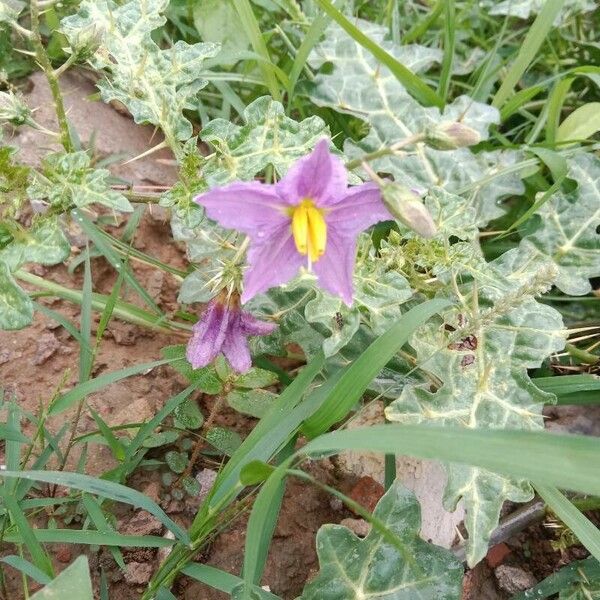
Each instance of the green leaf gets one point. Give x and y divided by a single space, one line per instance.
188 415
256 378
161 438
44 243
480 352
205 378
177 461
73 582
92 538
416 87
524 9
354 569
155 84
224 440
16 308
104 489
567 229
360 86
581 124
254 403
68 180
255 472
268 137
217 21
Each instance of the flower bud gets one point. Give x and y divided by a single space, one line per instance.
13 109
407 207
450 135
85 40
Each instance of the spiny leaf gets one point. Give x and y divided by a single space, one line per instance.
155 85
68 180
16 308
354 569
358 85
268 137
567 232
44 243
480 353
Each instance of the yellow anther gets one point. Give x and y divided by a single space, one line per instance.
309 230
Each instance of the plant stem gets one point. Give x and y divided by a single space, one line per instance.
409 141
46 65
201 442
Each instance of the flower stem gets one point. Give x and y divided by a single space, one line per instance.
44 61
388 150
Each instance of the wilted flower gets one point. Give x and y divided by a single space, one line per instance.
13 109
408 208
309 218
450 135
224 327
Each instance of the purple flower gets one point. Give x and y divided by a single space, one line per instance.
224 327
309 218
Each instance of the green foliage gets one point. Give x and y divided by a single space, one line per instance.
16 308
68 180
73 582
155 84
483 385
352 568
268 137
566 230
358 85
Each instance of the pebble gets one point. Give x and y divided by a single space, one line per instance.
514 579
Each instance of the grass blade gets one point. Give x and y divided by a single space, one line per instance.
246 14
92 538
39 557
16 562
586 532
449 45
93 385
528 50
566 461
221 580
355 378
104 489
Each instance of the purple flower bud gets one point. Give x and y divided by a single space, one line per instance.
451 135
224 327
407 207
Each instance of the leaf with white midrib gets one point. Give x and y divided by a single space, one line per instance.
374 568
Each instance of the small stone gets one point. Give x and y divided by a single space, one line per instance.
142 523
138 573
63 553
497 554
47 345
152 490
367 492
514 579
357 526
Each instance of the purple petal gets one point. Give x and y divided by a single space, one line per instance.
334 269
320 176
360 208
250 325
235 348
271 262
209 334
251 207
